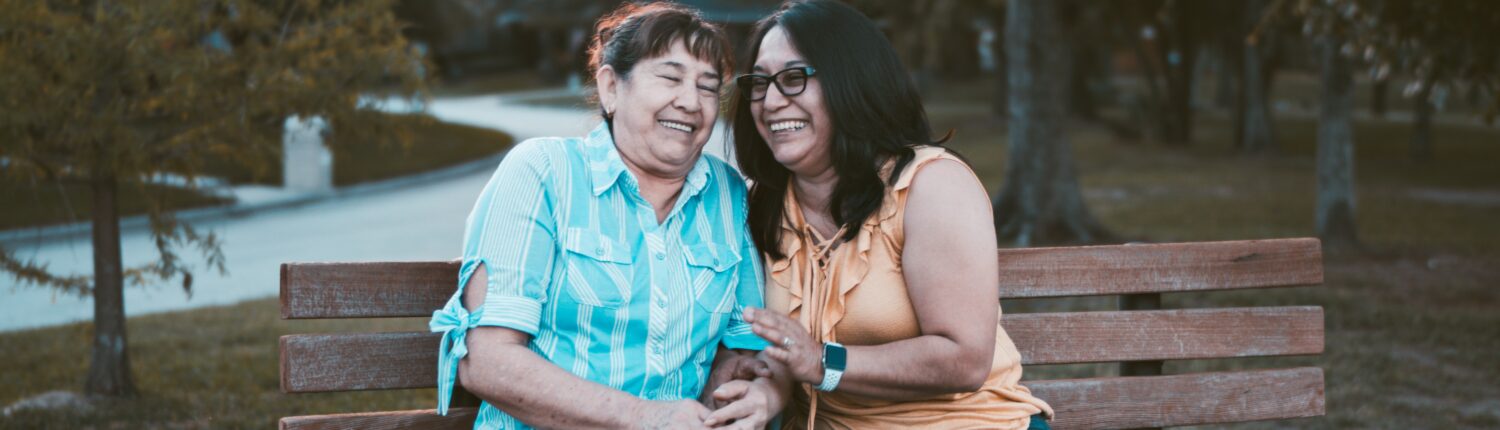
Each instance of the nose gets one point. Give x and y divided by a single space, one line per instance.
687 99
774 99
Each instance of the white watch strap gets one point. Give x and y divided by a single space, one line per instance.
830 379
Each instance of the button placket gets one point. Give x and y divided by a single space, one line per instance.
660 313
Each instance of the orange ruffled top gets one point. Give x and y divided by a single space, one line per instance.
855 294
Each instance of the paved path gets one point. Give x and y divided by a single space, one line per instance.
420 222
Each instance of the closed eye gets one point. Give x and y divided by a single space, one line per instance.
670 78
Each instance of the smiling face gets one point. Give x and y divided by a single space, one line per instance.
797 128
663 112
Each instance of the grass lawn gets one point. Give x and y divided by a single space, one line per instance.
434 145
1412 326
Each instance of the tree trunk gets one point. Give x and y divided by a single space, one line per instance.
1001 102
1226 70
1180 57
1080 98
1335 158
1378 91
109 369
1421 128
1040 201
1154 124
1254 108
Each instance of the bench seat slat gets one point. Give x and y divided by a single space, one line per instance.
1095 403
1159 268
1183 400
415 289
361 361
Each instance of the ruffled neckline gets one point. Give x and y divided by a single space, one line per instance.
801 243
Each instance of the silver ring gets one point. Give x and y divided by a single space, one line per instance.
787 341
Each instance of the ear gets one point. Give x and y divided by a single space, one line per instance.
609 82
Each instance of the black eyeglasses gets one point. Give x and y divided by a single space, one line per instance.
790 82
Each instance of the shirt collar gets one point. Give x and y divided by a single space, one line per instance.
606 168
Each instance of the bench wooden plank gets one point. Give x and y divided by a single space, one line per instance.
312 363
457 419
366 290
359 361
415 289
1159 268
1183 334
1095 403
1181 400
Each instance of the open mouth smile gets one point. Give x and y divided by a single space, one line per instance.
679 126
787 126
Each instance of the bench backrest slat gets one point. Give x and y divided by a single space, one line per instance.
1159 268
366 290
1183 400
363 361
415 289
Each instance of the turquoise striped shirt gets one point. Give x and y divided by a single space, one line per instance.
577 260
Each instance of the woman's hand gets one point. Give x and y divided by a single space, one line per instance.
791 345
747 405
732 365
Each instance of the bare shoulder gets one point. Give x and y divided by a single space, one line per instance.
943 185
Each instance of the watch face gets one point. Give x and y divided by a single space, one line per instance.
834 356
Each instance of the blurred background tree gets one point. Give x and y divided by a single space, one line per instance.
1445 46
1040 200
113 94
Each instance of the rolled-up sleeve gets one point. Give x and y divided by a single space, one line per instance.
511 233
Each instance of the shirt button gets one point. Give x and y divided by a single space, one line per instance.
599 251
661 255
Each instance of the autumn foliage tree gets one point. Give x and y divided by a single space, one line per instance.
110 93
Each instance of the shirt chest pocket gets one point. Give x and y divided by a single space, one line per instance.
596 269
711 270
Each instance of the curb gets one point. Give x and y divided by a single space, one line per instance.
37 236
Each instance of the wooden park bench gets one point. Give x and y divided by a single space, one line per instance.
1139 336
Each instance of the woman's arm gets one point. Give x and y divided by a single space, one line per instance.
951 276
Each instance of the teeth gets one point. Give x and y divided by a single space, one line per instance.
787 125
676 126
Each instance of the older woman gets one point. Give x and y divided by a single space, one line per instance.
602 275
882 301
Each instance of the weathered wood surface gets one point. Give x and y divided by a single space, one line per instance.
1095 403
414 289
457 419
366 361
1181 334
313 363
364 290
1159 268
363 361
1182 400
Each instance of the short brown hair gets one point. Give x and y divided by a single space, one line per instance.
634 32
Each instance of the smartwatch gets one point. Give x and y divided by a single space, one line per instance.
835 357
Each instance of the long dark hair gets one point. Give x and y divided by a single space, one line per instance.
876 111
